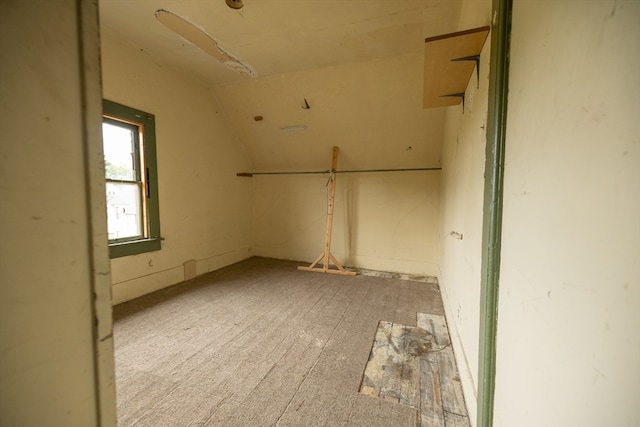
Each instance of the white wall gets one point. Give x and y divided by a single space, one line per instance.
373 112
56 368
463 158
205 210
382 221
569 309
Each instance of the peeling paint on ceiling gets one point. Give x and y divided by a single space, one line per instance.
199 37
278 36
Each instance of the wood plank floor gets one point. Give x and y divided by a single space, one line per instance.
261 344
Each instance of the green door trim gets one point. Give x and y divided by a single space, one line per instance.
492 211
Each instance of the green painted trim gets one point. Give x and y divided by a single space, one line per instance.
118 250
492 215
153 243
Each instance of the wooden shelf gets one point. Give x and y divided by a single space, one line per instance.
449 61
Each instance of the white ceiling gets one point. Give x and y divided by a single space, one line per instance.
280 36
359 63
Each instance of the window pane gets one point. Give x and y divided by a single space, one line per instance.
119 151
124 210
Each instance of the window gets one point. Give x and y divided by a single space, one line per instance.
133 218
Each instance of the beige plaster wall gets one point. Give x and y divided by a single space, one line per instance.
205 210
56 368
373 112
462 192
569 309
384 221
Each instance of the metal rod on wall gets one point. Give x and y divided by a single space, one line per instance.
390 170
250 174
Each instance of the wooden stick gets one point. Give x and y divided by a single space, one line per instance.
326 257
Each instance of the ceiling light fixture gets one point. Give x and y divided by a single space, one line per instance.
293 128
234 4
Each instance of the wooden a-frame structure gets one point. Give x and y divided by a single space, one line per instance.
326 257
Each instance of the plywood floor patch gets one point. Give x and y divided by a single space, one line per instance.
415 366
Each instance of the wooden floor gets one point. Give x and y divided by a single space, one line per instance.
262 344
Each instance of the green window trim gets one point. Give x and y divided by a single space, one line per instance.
146 121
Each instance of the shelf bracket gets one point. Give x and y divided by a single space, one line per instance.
449 62
474 58
455 95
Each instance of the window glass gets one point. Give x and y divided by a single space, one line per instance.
125 198
119 150
124 211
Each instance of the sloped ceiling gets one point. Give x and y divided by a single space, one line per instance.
358 63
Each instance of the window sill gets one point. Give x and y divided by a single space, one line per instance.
122 249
